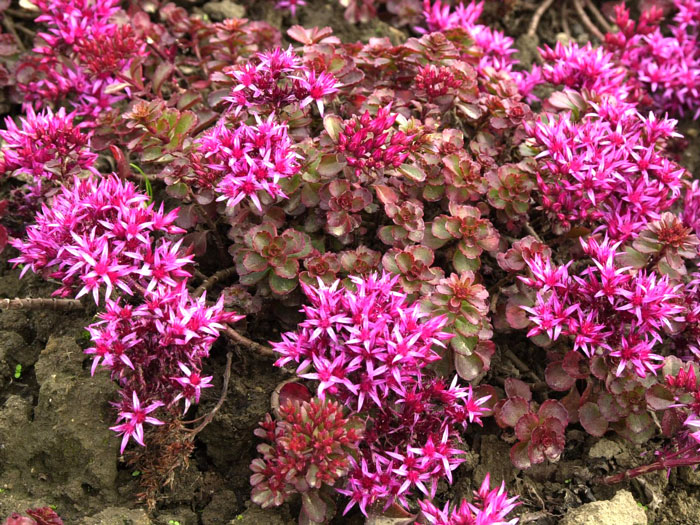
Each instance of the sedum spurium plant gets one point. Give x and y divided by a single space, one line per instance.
412 199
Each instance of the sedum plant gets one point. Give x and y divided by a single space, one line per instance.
394 209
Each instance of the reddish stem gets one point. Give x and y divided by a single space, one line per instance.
686 457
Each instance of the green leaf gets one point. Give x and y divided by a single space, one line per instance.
404 261
333 125
187 100
185 123
146 181
254 262
18 371
314 507
152 153
659 397
463 345
288 270
412 172
163 71
178 190
329 166
465 328
592 420
252 278
462 264
468 366
281 286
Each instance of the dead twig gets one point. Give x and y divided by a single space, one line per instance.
522 366
534 516
19 13
26 31
224 391
587 21
565 20
599 16
537 15
529 229
244 341
9 24
209 282
32 303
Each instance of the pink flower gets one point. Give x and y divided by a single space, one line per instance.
278 79
318 86
192 384
47 146
490 507
291 5
251 160
369 348
134 418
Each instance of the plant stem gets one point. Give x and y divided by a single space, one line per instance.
33 303
599 16
244 341
686 457
587 21
224 391
541 10
529 229
209 282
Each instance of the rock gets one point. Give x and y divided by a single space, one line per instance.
527 49
10 502
14 349
223 9
690 476
179 517
119 516
622 509
680 508
495 459
16 449
605 448
254 515
62 448
221 509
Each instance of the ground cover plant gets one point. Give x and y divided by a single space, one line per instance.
388 222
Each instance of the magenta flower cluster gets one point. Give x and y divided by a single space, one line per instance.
249 160
489 507
603 164
100 237
369 348
165 338
496 48
278 79
605 307
46 145
665 63
100 234
585 67
81 56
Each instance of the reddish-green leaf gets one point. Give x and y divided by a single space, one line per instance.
592 420
557 378
519 456
659 397
512 410
517 388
